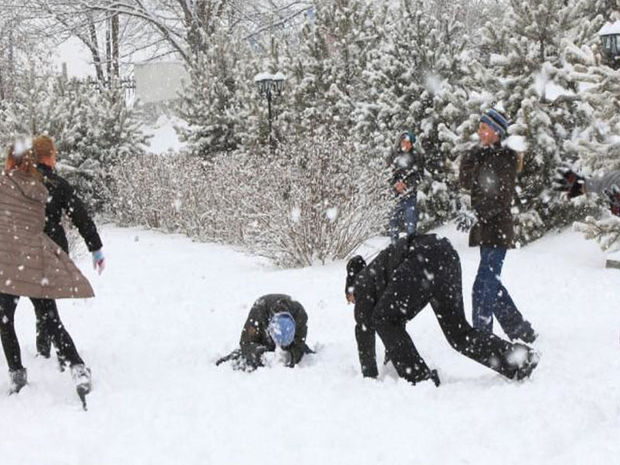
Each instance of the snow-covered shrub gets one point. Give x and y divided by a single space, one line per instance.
92 128
605 231
312 200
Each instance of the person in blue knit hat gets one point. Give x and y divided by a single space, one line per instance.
489 173
407 169
274 321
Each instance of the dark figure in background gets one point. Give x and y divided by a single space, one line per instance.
397 285
274 320
574 184
61 199
489 173
407 169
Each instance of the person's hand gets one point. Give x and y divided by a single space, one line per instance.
98 261
566 180
465 220
613 198
350 298
400 187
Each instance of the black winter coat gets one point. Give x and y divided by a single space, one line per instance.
407 167
255 338
372 281
489 174
62 198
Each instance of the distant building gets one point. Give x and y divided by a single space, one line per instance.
610 39
160 82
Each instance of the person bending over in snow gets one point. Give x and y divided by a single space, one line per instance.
575 185
397 285
489 172
275 320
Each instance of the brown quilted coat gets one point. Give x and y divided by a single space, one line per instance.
31 264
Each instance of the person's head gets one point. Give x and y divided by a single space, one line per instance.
493 127
354 266
281 329
44 150
406 141
21 157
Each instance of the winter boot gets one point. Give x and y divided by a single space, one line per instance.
528 365
526 333
82 379
432 375
435 378
17 380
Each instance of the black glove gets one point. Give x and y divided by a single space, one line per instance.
295 355
613 197
566 180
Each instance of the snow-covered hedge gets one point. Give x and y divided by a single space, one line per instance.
297 204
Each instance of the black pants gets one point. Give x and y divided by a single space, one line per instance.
44 338
434 279
47 315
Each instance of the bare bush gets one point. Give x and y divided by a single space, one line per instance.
297 204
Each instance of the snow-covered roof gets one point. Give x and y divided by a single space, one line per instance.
610 28
267 76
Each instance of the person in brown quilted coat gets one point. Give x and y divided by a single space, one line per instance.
32 265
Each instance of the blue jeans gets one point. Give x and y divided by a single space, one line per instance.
490 297
404 217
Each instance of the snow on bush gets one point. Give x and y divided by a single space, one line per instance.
605 231
307 201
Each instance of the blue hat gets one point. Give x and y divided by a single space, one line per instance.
408 135
496 121
282 329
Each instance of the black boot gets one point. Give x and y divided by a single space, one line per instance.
528 366
525 333
17 380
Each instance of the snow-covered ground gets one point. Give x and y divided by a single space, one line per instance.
164 137
167 307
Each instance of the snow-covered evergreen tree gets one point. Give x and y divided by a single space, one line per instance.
414 83
325 75
597 148
93 128
219 98
526 75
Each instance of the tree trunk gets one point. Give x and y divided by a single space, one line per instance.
116 46
94 50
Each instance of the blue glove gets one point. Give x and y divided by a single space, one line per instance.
98 261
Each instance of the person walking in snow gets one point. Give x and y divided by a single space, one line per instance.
574 184
489 173
32 265
275 320
396 286
407 169
62 200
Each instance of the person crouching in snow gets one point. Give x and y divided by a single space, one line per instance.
396 286
275 320
489 173
32 265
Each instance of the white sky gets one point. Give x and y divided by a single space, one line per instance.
76 56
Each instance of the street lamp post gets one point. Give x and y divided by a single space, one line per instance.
269 86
